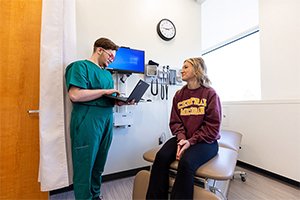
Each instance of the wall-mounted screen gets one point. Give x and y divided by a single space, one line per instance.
128 60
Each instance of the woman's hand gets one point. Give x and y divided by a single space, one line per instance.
182 145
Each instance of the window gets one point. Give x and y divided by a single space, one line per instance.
234 68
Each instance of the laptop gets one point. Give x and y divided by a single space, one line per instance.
136 94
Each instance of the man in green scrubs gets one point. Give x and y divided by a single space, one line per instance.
92 117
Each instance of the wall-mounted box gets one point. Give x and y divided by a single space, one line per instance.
123 119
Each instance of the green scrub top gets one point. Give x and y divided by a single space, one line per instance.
87 75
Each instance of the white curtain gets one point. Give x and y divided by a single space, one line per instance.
58 49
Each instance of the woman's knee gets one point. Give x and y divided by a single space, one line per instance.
186 164
162 156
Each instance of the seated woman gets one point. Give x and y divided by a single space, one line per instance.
195 122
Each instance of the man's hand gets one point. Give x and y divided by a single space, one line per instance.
122 103
112 91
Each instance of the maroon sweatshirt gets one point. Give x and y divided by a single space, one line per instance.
196 115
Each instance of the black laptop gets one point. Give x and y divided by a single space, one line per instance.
136 94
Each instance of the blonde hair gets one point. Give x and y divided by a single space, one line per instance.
200 70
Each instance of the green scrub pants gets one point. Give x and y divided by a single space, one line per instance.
91 136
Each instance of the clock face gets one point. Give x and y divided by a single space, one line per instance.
166 29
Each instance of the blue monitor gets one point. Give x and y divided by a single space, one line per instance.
128 60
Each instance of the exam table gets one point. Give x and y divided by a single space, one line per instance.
219 168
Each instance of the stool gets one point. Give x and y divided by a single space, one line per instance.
140 186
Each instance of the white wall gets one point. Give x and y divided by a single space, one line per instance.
133 23
279 38
271 126
271 134
280 49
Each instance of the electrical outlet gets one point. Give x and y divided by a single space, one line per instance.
160 140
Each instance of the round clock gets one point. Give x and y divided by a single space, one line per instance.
166 29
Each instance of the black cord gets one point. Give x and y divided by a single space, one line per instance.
124 77
167 92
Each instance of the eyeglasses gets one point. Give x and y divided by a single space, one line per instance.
110 55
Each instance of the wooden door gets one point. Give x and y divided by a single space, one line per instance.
20 22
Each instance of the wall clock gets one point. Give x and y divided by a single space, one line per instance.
166 29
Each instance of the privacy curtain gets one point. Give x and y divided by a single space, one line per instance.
58 49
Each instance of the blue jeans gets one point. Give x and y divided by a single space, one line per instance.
183 188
